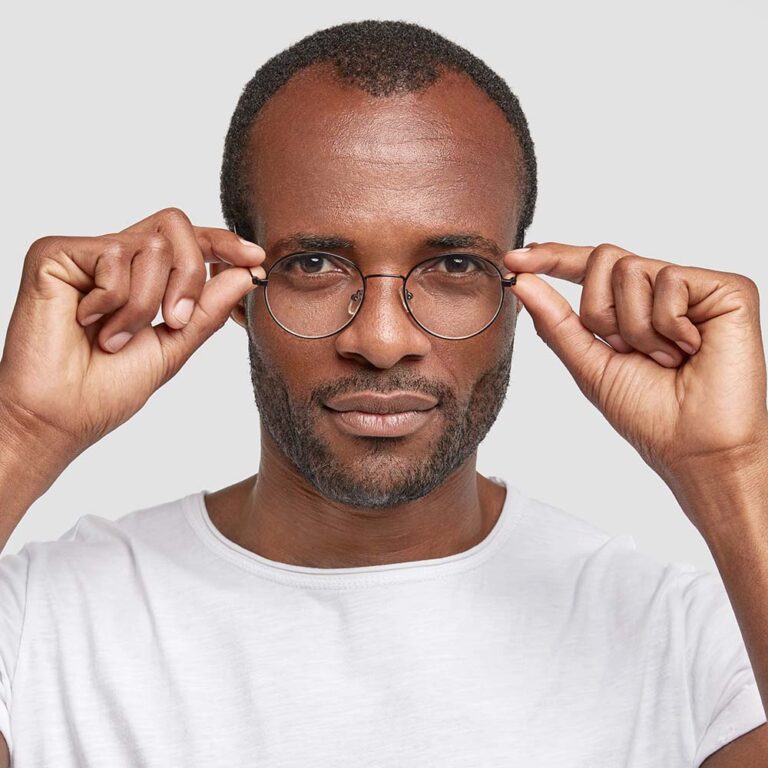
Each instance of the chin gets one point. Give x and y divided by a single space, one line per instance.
378 474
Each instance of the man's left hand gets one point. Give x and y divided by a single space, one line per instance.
681 374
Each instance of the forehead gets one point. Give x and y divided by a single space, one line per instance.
324 154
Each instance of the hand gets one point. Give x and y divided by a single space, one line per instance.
60 376
674 410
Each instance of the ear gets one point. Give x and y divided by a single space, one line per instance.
238 313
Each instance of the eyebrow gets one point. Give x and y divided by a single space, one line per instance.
306 241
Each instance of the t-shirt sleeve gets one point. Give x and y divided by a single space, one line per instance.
14 575
724 699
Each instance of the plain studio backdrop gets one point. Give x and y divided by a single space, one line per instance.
649 124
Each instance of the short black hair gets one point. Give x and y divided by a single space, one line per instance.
379 57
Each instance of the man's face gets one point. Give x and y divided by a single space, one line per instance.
386 174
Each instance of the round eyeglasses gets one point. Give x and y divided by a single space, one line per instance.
313 294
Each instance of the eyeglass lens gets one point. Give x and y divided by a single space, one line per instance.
317 294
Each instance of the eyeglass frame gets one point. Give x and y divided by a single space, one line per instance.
504 281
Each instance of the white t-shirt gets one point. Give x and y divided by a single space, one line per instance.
153 640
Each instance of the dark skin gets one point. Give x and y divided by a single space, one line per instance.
386 174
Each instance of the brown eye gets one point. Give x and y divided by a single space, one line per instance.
458 263
310 263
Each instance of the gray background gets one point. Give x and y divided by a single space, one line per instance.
649 123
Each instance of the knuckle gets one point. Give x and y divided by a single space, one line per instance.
670 273
113 248
38 253
173 216
604 251
629 262
157 243
627 270
750 286
45 245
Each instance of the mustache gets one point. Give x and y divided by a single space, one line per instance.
383 383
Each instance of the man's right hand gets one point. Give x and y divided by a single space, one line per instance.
59 375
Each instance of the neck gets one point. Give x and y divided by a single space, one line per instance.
279 515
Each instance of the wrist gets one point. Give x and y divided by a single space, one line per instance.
32 453
724 495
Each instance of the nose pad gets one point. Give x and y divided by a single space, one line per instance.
354 302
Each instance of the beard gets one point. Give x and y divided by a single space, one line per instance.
377 477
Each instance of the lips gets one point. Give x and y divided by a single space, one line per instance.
373 402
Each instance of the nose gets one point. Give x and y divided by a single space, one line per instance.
383 332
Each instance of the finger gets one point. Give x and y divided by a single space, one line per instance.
222 245
633 289
219 297
597 309
585 356
215 243
568 262
671 302
187 273
150 268
110 273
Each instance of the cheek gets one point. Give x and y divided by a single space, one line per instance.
470 358
296 361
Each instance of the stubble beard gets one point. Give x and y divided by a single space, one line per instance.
377 477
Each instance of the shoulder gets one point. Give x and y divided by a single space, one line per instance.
101 544
606 570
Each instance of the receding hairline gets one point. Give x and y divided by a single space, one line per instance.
381 58
322 74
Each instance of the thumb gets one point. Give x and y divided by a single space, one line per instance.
219 297
583 354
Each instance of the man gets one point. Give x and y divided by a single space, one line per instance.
368 597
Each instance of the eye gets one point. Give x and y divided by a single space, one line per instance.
457 263
311 263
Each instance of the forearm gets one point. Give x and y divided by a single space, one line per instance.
728 502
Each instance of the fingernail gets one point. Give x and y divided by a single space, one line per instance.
118 341
664 359
92 319
183 310
519 250
249 243
684 345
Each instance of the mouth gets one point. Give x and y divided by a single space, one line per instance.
368 414
365 424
